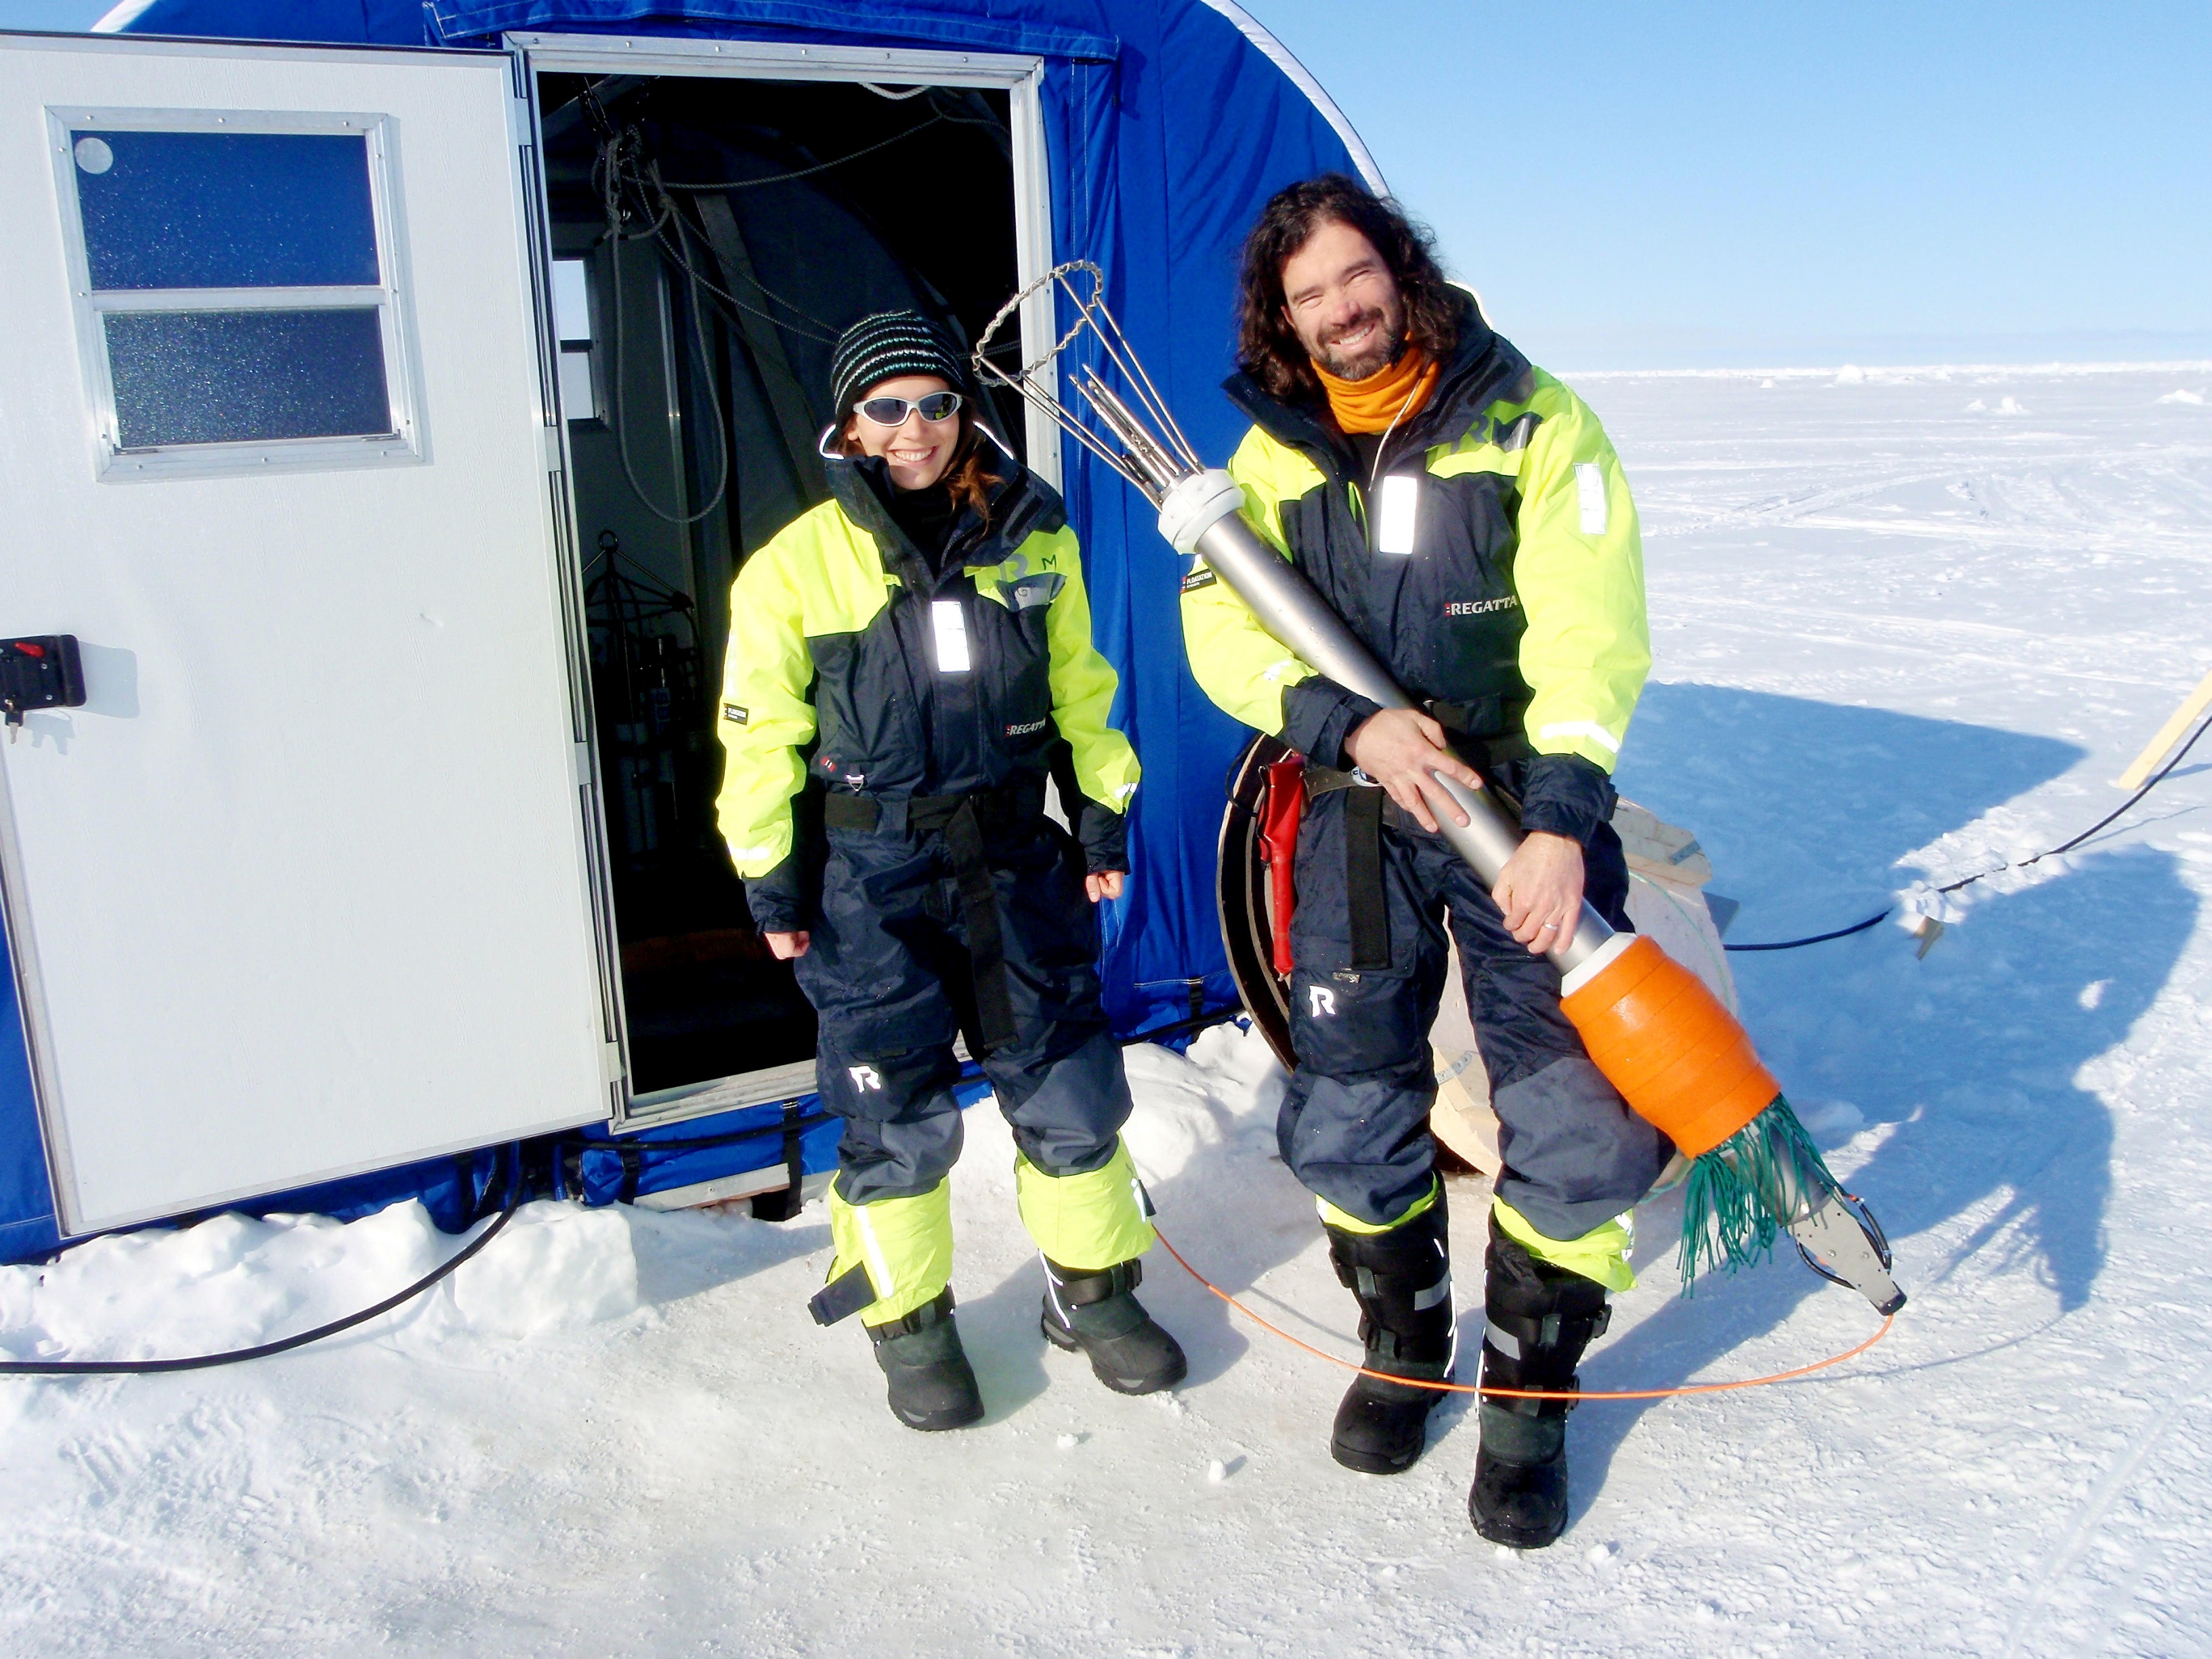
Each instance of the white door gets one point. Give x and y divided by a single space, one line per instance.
303 889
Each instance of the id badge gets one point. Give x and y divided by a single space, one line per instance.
1397 508
951 623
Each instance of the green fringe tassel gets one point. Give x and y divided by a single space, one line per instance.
1740 1196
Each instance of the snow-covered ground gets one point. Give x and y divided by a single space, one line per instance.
1909 625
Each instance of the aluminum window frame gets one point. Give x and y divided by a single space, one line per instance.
402 444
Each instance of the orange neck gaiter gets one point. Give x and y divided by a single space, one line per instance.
1389 397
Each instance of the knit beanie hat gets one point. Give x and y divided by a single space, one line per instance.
889 344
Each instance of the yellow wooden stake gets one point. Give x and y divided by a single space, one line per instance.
2168 735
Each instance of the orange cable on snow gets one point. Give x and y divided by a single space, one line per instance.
1527 1393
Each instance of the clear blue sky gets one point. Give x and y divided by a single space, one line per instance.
1687 184
1730 182
52 13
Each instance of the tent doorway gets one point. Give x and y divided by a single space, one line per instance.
714 226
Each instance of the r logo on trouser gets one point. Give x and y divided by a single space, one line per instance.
1354 1123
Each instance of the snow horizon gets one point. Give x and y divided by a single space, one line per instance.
1607 351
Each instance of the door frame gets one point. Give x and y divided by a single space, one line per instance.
1021 76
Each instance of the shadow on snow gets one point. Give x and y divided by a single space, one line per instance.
1969 1057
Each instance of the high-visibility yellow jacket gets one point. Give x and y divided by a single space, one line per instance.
852 660
1515 609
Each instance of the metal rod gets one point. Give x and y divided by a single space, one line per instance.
1164 472
1133 369
1289 608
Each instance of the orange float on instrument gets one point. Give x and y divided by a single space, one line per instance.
1679 1058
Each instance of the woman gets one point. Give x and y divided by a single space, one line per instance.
905 657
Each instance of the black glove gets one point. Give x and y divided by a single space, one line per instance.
1104 833
780 901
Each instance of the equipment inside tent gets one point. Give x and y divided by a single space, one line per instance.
392 502
695 327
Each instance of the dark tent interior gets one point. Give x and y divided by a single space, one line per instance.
712 237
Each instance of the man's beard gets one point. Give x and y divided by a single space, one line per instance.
1373 359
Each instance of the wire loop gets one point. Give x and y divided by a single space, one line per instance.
1146 445
1888 1320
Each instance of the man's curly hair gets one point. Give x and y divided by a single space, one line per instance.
1267 348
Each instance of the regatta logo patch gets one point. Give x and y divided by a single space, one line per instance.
866 1077
1321 1002
1480 607
1024 728
1202 577
734 712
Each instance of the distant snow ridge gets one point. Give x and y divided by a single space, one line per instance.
1902 374
2180 397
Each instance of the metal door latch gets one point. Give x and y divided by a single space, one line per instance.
40 671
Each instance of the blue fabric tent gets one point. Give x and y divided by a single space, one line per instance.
1168 123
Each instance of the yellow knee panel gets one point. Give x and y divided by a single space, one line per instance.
905 1244
1600 1254
1086 1221
1344 1221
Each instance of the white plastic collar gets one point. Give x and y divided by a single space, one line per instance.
1196 505
1601 959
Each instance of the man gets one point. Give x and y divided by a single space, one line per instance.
1463 511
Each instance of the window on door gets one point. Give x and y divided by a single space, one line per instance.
237 288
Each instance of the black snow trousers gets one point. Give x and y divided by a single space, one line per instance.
1354 1127
890 973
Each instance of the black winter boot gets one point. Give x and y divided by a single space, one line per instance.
1541 1319
1403 1280
931 1385
1098 1311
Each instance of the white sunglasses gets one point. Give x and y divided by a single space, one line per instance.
893 411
